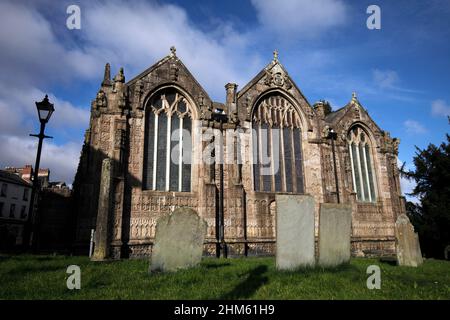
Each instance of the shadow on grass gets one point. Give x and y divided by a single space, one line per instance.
346 267
389 260
248 287
217 266
38 269
311 270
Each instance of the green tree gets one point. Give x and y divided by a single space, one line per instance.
431 217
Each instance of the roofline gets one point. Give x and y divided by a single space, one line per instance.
260 74
159 63
19 183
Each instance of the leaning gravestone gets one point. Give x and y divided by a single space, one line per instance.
295 231
101 250
335 228
408 247
179 241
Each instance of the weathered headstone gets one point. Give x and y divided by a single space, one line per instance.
295 231
335 228
179 238
408 247
104 207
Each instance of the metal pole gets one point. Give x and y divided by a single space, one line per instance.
334 136
30 234
35 190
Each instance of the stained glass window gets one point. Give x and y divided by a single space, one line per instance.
277 150
168 144
362 171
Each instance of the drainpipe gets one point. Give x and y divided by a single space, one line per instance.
244 207
333 136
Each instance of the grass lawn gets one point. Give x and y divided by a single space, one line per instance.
44 277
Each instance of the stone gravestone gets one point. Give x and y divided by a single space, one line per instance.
101 249
335 228
295 231
179 238
408 247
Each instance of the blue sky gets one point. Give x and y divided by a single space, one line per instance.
400 73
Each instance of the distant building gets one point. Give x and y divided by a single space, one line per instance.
26 173
52 223
15 194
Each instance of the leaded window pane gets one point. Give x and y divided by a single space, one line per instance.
175 153
369 166
364 172
356 171
162 169
287 141
265 148
162 153
298 160
170 96
187 148
284 174
362 167
149 149
255 146
277 156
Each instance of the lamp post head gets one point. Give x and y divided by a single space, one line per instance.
45 109
332 134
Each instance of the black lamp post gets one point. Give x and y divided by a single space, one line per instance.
45 110
333 136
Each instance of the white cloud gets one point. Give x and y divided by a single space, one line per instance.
150 31
407 185
44 52
38 53
32 54
296 19
19 104
440 108
414 127
18 117
62 160
385 78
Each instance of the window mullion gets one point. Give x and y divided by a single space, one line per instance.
272 167
261 180
180 163
352 165
169 125
282 162
155 152
361 183
293 172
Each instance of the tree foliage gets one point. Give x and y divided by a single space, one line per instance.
431 217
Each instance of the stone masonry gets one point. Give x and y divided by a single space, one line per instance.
127 117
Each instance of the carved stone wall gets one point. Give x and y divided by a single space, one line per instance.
117 131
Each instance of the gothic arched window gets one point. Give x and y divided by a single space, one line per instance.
277 149
362 166
168 125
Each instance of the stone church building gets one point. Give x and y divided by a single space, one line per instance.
128 175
